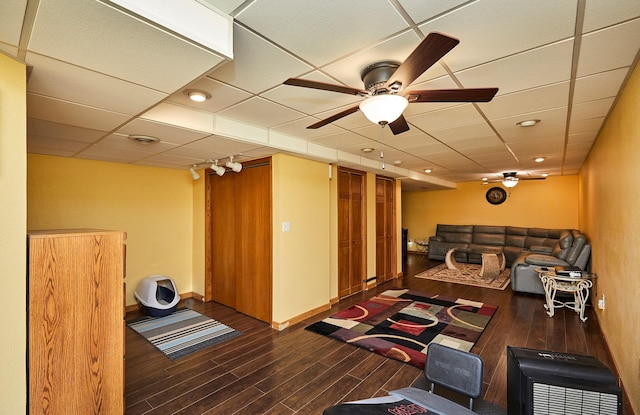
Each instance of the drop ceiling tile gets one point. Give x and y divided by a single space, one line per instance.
298 128
591 109
62 131
223 145
411 139
349 69
11 21
609 48
54 78
260 112
585 126
420 13
45 142
465 132
482 40
226 6
552 124
115 155
344 139
32 149
257 65
534 68
599 14
222 95
167 133
527 101
63 112
119 141
601 85
106 40
311 101
297 24
447 118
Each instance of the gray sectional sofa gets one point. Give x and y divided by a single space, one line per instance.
524 249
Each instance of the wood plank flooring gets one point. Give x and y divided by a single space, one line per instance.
298 372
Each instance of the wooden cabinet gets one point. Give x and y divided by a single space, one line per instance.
351 232
76 322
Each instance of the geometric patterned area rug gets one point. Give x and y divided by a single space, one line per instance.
400 324
182 332
468 274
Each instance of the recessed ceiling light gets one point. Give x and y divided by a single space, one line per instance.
539 159
366 150
545 174
196 95
428 170
397 162
527 123
143 139
484 179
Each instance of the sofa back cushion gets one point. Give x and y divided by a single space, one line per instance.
489 235
518 231
456 233
516 240
561 249
579 241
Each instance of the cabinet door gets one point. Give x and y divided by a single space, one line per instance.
76 342
351 266
385 228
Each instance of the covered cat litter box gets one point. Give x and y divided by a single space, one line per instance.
157 295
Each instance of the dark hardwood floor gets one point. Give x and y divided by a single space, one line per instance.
295 371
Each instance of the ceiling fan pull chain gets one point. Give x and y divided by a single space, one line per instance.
382 145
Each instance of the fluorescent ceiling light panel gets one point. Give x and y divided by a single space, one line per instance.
190 19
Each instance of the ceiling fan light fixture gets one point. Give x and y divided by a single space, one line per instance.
383 109
510 182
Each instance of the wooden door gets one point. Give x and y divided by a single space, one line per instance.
351 225
253 239
222 224
238 240
385 227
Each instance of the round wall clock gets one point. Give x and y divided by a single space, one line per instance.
496 195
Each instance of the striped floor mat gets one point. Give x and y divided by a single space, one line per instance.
183 332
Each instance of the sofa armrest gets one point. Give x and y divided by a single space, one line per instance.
538 249
544 260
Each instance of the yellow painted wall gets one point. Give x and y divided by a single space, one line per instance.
610 215
198 256
153 205
550 203
13 253
301 257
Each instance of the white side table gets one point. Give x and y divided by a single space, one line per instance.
578 286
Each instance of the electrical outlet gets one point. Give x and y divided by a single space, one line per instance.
601 303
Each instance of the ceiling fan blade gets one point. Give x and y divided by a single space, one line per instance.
399 125
452 95
531 178
334 118
428 52
305 83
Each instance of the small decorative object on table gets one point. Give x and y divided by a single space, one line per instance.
555 281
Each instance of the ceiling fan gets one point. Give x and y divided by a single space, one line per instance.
386 82
511 179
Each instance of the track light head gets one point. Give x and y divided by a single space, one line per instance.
194 173
235 166
219 170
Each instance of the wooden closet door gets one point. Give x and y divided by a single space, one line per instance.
253 239
385 226
238 240
223 249
351 266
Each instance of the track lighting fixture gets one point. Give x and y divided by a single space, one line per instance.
235 166
219 170
194 173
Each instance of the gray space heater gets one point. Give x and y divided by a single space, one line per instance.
541 382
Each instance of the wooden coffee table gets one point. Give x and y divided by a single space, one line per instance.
493 261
